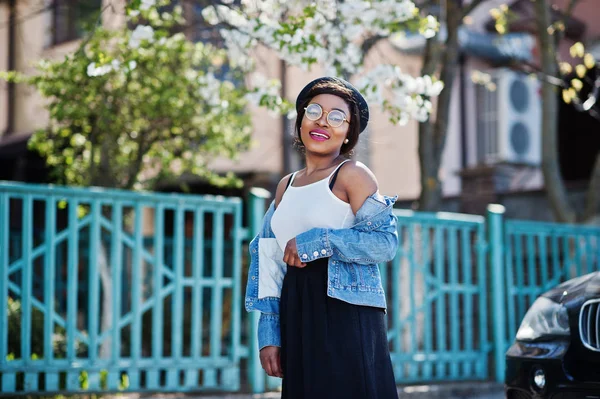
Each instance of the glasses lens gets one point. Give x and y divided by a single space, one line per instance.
313 112
335 118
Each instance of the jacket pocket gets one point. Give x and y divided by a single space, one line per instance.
350 276
271 268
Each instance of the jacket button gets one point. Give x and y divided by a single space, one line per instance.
323 251
253 277
369 223
316 253
304 256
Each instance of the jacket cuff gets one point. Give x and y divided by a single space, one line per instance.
268 330
313 244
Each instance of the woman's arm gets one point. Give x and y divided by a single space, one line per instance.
269 344
357 182
353 245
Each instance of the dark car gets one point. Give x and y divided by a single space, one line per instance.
556 353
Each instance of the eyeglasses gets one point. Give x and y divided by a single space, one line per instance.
335 118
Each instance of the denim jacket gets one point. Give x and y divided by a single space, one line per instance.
353 254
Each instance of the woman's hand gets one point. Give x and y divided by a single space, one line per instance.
270 360
290 255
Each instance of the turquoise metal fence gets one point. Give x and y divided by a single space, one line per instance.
107 290
437 298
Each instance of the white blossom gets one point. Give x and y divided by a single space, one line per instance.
94 70
332 38
147 4
141 32
431 27
292 114
210 15
262 87
210 89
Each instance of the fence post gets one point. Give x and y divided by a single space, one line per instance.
256 210
495 227
4 245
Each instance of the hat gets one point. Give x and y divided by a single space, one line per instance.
363 107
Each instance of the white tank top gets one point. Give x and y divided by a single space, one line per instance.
306 207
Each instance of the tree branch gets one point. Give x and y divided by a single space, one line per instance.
447 75
432 134
571 7
368 44
555 188
136 165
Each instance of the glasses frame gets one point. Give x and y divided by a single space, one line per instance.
326 113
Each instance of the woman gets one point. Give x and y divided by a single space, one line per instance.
313 272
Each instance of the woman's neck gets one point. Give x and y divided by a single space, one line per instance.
316 164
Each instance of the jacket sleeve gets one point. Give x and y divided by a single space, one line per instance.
365 246
268 322
268 330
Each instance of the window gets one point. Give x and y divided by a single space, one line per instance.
72 18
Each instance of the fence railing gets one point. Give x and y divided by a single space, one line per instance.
112 290
107 290
437 289
539 256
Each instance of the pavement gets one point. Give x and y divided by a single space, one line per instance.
461 390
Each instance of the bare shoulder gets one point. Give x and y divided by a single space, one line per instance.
281 186
358 182
357 174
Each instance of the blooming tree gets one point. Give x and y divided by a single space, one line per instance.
337 36
132 107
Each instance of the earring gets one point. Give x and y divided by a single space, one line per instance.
346 141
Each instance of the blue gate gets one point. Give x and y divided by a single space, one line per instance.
107 290
437 298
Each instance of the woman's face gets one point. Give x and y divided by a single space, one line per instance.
318 136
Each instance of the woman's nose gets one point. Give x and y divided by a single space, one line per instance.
322 121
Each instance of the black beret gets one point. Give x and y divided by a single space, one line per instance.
363 107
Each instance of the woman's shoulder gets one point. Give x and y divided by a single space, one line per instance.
357 180
357 173
281 186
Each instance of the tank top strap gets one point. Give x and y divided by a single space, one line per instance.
290 180
335 174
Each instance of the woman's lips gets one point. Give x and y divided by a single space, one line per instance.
318 135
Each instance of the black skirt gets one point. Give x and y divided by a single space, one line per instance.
329 348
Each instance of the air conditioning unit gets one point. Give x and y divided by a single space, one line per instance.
509 118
